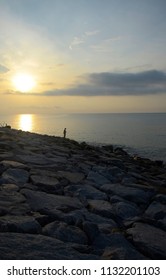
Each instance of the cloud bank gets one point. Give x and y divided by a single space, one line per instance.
116 84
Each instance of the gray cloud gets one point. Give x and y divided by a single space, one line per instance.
116 84
3 69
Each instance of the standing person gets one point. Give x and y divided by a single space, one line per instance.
64 133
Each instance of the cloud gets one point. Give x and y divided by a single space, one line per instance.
3 69
115 84
82 38
92 33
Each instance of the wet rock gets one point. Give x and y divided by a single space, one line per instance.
65 232
156 210
150 240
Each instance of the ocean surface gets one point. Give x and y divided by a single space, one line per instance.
143 134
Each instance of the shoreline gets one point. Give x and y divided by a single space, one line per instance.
61 199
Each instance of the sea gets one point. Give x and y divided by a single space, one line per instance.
142 134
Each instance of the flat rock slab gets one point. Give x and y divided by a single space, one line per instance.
24 224
40 180
18 246
10 198
73 177
16 175
132 194
65 232
35 159
13 164
101 207
97 178
150 240
39 201
86 191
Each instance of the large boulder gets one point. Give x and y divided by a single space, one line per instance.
149 239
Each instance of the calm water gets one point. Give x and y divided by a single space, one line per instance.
144 134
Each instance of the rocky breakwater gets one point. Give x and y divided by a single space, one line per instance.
63 200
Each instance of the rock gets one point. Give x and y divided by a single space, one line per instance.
13 164
86 191
41 200
91 230
65 232
18 246
156 211
115 246
101 207
136 195
97 178
73 177
12 198
125 210
23 224
35 159
150 240
44 180
16 176
9 188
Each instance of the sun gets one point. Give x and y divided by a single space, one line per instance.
23 82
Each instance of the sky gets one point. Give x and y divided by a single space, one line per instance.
87 56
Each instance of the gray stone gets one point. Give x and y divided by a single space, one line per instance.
73 177
18 246
136 195
101 207
91 230
97 178
13 164
40 180
115 246
35 159
24 224
65 232
150 240
86 191
9 188
12 198
125 210
156 211
41 200
16 175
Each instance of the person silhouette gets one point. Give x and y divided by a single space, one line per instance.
64 133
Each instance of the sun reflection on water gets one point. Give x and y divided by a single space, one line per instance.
26 122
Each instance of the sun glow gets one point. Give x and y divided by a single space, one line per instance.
23 82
